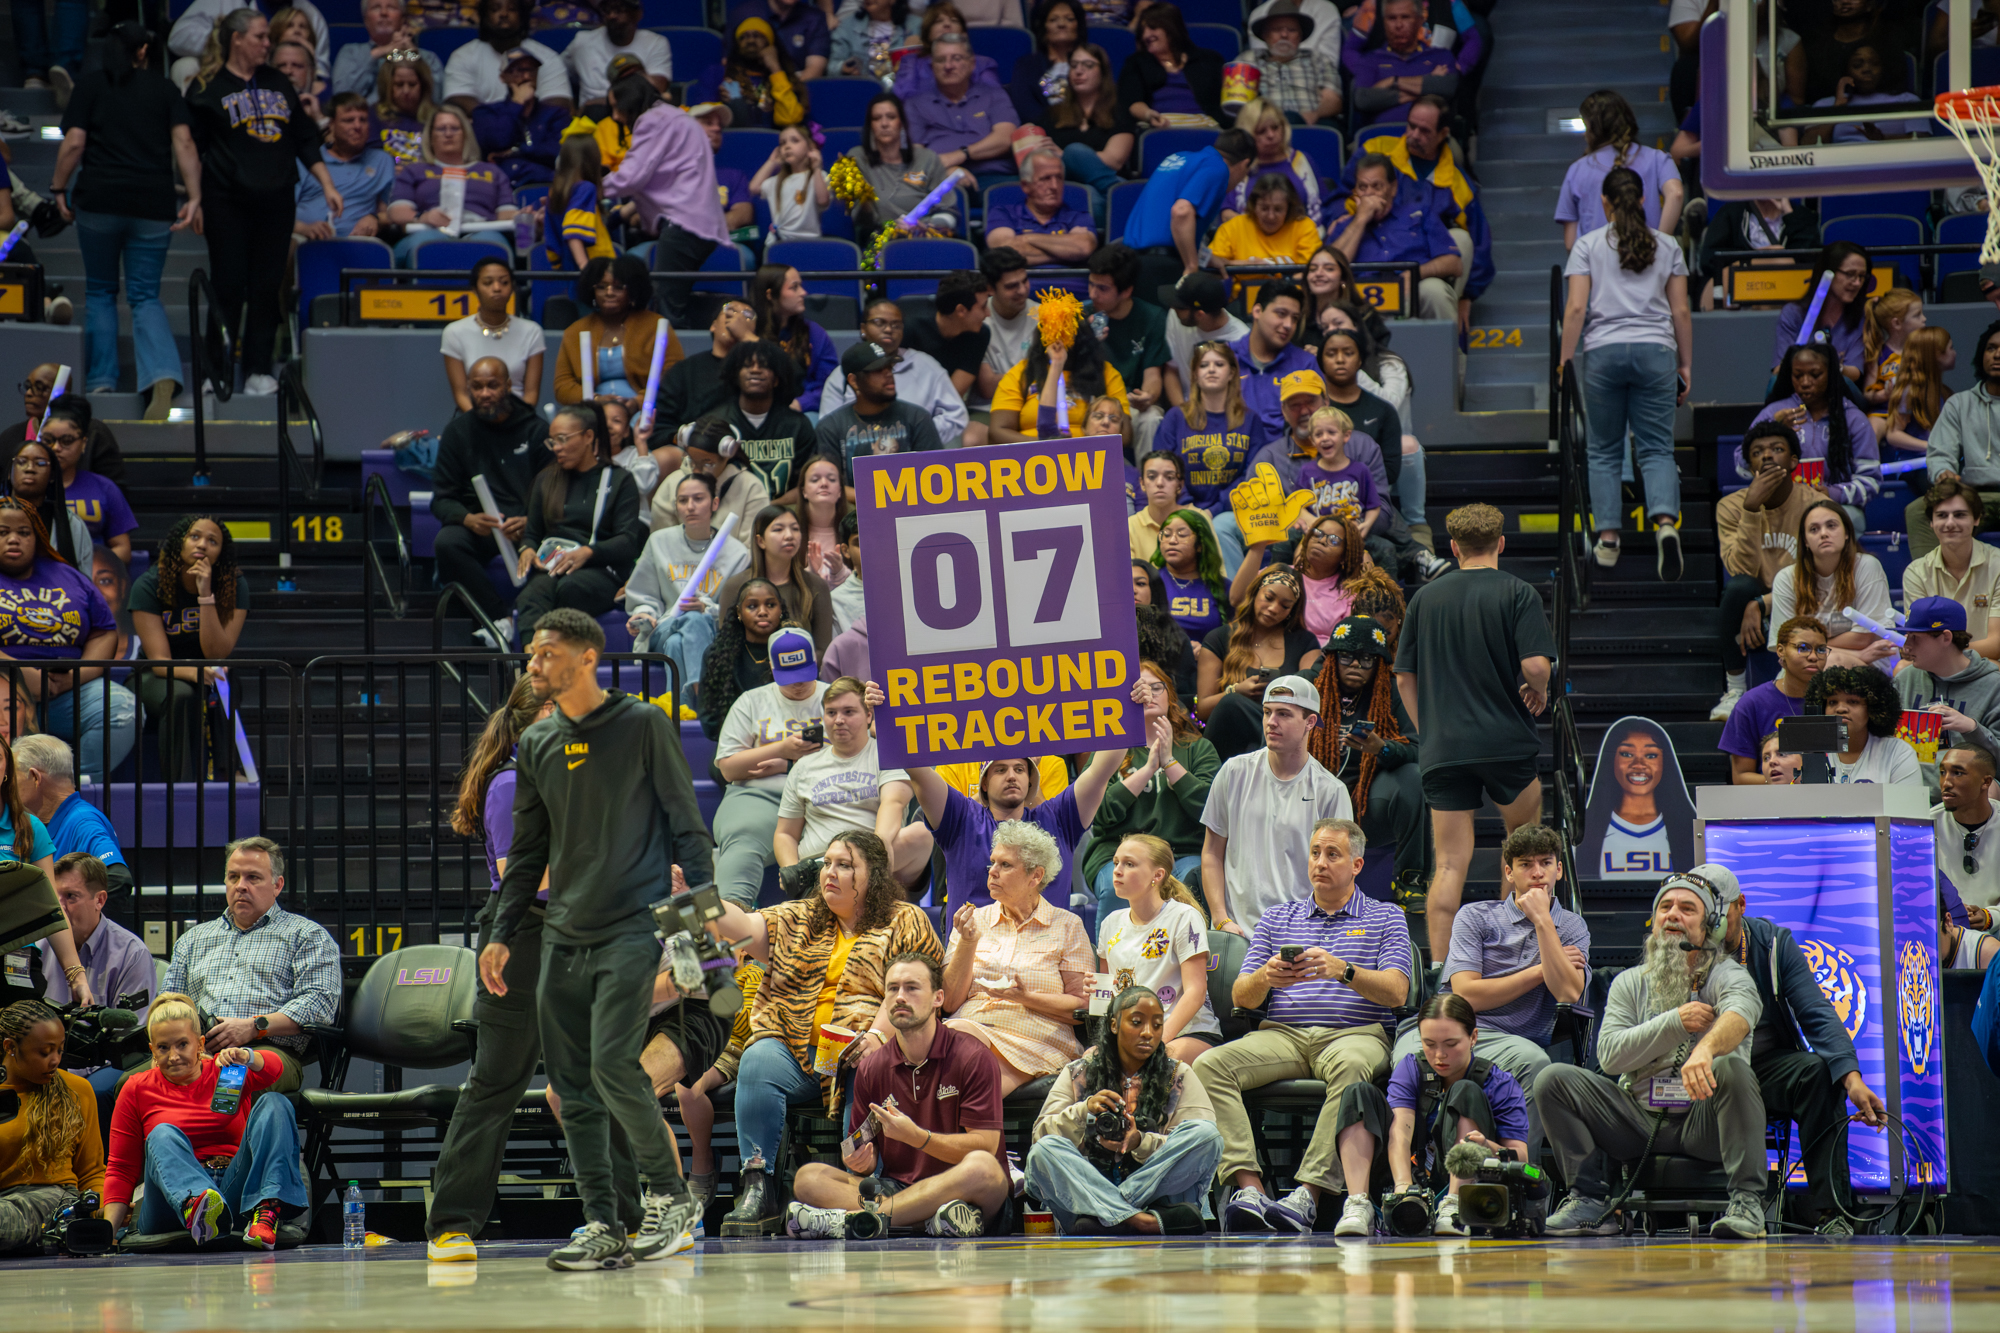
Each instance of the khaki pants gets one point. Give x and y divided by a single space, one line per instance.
1337 1057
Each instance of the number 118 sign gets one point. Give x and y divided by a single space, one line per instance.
999 596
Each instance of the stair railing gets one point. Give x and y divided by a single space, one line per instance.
209 356
292 394
375 498
1572 580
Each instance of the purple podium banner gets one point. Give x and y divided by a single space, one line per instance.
999 597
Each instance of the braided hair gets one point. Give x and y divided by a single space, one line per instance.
172 563
1625 205
54 1120
1839 444
1104 1070
1379 707
730 648
53 507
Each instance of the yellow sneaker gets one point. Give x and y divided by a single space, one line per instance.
453 1247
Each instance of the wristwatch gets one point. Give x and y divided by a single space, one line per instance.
1347 977
262 1022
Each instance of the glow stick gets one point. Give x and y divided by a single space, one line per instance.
13 238
60 387
589 368
645 426
1811 324
708 559
507 551
242 741
1879 631
1891 469
944 187
1062 407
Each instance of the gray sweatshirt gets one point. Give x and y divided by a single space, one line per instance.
606 805
1966 439
1633 1047
1974 692
665 566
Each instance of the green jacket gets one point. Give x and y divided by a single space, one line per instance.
1173 813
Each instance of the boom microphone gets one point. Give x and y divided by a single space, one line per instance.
1464 1158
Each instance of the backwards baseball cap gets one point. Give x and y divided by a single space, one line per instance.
792 658
1928 614
519 54
1295 690
701 109
1301 382
623 65
865 356
1714 884
1200 290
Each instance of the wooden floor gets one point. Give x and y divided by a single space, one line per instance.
1081 1286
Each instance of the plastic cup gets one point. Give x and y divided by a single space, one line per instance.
833 1043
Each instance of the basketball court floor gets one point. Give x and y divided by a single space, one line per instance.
1930 1285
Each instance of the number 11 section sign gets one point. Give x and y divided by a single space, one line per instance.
999 596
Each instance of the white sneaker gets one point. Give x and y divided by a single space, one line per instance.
1357 1217
1605 553
667 1227
260 386
506 643
1448 1222
1725 705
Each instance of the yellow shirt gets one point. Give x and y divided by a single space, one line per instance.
1013 395
1145 533
830 988
1240 240
83 1169
964 778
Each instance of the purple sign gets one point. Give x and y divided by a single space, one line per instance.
999 601
1875 959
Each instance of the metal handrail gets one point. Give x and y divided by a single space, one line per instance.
292 393
457 592
199 290
1572 594
375 497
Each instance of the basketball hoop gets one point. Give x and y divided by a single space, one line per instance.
1973 114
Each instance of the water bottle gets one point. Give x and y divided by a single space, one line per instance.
524 232
354 1218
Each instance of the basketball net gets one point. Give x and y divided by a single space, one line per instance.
1972 114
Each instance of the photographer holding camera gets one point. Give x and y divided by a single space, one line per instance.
1126 1142
51 1153
843 785
1456 1095
925 1128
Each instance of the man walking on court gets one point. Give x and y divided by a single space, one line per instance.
1473 667
606 805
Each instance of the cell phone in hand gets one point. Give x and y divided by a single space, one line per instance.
1361 726
228 1089
814 734
1290 952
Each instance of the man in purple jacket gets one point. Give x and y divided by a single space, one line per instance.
1387 78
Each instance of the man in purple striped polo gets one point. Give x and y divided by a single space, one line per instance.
1331 1011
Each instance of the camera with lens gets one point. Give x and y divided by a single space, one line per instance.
1108 1124
103 1034
1410 1213
698 962
1498 1188
75 1231
801 878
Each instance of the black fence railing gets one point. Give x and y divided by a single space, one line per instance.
376 500
211 359
1572 594
292 397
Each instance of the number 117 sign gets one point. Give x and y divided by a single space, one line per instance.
999 596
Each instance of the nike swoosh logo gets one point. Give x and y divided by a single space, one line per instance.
574 764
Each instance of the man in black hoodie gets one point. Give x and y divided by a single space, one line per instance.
506 441
606 805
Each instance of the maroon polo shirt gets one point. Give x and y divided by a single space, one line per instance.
955 1090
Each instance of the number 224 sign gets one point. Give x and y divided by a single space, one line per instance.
999 597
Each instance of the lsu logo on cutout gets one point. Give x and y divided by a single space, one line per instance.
423 976
1840 981
1916 1004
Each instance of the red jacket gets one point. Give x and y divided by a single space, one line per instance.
149 1099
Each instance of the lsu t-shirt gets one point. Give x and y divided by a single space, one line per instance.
1193 605
51 612
101 505
1630 852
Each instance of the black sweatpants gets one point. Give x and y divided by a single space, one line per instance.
591 591
510 1046
462 556
596 1001
249 239
1737 594
1797 1086
1366 1105
679 251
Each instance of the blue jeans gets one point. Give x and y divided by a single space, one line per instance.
1087 167
1412 492
31 36
1108 900
1631 386
685 639
141 244
767 1081
1071 1186
265 1168
1229 537
80 716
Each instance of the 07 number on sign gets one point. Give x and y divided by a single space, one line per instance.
1042 568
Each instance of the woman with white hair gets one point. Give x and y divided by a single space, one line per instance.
1020 967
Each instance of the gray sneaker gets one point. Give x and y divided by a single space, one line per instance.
1836 1226
805 1222
1583 1216
957 1219
667 1227
1743 1221
595 1246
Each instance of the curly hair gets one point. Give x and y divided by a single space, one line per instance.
172 563
1241 653
1207 553
490 754
1353 552
53 1120
1839 444
878 901
1104 1070
1377 594
719 665
1867 683
1379 708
